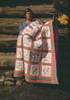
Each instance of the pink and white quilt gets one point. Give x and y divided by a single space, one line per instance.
37 53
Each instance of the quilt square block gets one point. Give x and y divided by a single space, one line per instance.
19 53
38 44
46 70
30 31
27 41
26 55
34 70
46 57
36 56
19 65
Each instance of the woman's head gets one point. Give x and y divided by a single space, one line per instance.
28 14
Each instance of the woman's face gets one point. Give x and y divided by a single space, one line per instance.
28 15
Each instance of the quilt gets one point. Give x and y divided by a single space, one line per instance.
37 53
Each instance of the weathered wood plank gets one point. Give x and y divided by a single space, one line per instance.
7 36
37 9
8 44
7 54
7 61
8 29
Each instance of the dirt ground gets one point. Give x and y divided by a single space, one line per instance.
34 92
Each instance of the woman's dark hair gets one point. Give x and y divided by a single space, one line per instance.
28 10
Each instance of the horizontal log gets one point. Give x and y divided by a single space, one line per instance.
9 29
7 61
19 10
7 36
7 54
8 44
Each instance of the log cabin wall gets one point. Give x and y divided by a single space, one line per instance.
11 15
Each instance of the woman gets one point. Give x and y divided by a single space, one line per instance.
36 52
